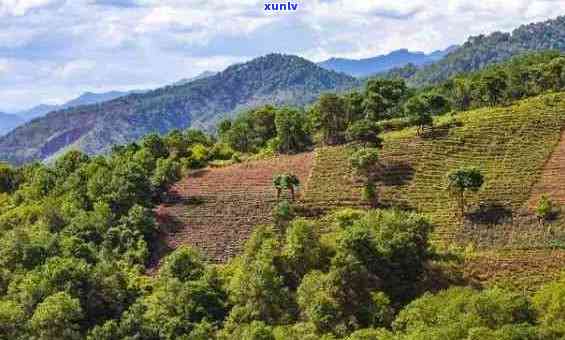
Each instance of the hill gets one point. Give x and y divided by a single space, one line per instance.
516 147
274 79
8 122
483 50
86 98
382 63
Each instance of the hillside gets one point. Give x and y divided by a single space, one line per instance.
275 79
481 51
382 63
511 145
215 209
8 122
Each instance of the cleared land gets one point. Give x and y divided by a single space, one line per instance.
215 209
519 149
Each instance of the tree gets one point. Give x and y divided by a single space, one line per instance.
291 130
331 108
57 318
493 86
364 131
417 108
156 145
382 97
422 108
286 182
463 180
7 178
364 161
166 173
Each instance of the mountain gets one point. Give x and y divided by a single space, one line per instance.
84 99
272 79
8 122
202 75
484 50
370 66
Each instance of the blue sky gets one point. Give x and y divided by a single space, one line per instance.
53 50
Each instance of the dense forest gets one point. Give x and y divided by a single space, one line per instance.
77 235
484 50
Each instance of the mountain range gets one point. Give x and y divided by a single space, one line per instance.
102 120
370 66
272 79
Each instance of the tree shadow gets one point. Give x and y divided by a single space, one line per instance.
490 213
396 173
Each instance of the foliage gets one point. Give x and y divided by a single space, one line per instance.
464 180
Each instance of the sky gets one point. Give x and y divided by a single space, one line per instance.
54 50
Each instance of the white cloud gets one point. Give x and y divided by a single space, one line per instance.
57 48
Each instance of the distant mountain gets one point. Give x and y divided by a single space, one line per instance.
86 98
272 79
483 50
8 122
370 66
202 75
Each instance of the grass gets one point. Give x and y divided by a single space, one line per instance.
509 144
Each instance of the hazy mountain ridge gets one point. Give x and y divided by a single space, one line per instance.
273 79
383 63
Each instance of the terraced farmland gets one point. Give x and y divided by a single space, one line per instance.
509 144
215 209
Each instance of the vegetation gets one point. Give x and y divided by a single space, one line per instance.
484 50
462 181
76 234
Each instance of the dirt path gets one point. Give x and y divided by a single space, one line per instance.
552 181
216 209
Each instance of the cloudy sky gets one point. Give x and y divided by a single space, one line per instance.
53 50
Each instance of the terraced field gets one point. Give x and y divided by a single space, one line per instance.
519 149
510 145
215 209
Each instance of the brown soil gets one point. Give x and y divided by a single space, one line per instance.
216 209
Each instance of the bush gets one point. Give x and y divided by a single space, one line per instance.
364 159
364 131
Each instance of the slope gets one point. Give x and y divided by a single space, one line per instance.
481 51
9 122
215 209
275 79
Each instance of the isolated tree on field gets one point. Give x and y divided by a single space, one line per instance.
422 108
286 182
544 209
364 161
463 180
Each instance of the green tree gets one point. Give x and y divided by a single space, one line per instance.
291 130
333 123
464 180
156 145
286 182
365 131
382 97
57 318
493 86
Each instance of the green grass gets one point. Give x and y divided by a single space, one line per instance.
509 144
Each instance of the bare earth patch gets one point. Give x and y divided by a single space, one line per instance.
216 209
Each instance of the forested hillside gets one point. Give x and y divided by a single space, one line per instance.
273 79
350 249
481 51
